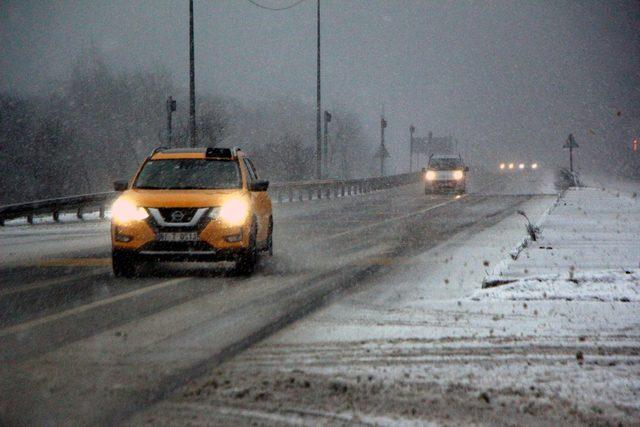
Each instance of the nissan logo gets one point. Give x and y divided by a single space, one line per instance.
177 216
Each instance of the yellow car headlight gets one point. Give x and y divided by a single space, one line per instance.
233 211
124 210
502 165
430 175
458 175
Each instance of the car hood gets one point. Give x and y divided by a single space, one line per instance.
181 198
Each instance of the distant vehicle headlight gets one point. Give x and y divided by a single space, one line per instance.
124 210
430 175
502 166
233 211
534 166
510 165
458 175
521 166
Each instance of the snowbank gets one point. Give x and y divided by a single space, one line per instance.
600 286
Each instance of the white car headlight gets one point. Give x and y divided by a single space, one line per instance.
534 166
521 166
233 211
458 175
430 175
124 210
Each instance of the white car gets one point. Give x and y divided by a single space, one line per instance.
445 172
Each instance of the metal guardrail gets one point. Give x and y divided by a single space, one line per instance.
280 191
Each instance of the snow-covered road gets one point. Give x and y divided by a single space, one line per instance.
424 344
79 346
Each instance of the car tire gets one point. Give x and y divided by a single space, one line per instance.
270 237
123 264
246 262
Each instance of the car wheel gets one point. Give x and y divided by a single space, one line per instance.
246 262
123 264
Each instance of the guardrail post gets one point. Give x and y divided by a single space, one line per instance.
101 211
30 218
342 189
329 188
290 194
300 194
319 192
56 216
79 213
1 222
310 193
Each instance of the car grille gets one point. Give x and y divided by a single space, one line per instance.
156 246
168 215
177 215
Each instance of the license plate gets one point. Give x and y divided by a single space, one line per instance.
178 237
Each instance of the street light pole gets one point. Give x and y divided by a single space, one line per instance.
171 107
318 107
412 129
327 119
383 150
192 82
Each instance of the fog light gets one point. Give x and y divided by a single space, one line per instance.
233 238
123 238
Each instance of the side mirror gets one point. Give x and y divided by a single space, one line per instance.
424 170
120 185
261 185
466 168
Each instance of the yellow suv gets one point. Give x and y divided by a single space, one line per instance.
195 204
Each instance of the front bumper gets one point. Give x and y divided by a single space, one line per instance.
446 184
140 238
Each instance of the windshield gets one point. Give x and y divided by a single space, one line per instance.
188 174
445 164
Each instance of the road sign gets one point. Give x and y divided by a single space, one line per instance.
570 142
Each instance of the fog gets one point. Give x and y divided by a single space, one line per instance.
509 80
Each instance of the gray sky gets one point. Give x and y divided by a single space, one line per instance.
511 76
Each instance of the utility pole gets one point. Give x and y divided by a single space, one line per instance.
171 107
192 81
327 119
318 107
412 129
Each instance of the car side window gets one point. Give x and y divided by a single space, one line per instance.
250 169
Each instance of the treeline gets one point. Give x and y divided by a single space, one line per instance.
99 124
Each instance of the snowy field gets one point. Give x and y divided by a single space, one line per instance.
558 344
